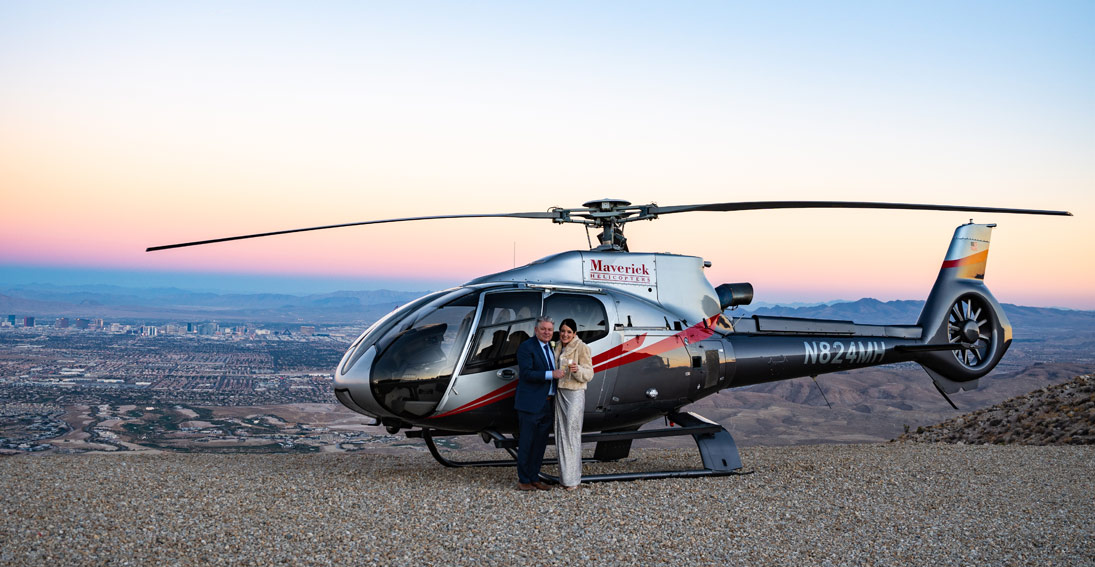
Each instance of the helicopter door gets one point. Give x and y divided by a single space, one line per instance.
590 314
507 320
663 378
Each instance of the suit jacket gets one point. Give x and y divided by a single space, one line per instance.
579 352
532 386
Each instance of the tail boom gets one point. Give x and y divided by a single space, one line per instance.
961 311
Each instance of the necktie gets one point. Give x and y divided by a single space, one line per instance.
547 353
551 366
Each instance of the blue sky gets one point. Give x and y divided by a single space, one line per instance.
131 124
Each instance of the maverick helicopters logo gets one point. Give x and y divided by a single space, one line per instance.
630 272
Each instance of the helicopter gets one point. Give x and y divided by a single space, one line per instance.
445 364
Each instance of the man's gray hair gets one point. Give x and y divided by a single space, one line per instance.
545 319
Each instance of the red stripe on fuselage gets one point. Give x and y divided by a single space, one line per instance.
697 332
624 347
507 391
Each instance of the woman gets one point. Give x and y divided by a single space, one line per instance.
573 356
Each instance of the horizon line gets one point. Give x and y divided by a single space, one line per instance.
791 303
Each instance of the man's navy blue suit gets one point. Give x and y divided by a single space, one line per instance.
535 412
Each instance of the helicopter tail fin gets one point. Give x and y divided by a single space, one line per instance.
961 312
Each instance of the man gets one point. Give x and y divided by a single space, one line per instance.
536 380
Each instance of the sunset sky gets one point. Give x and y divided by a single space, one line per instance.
125 125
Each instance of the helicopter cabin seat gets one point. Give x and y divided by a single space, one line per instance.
514 341
494 349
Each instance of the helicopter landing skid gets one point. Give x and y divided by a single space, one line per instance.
718 450
428 435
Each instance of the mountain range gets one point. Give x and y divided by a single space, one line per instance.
116 302
1030 323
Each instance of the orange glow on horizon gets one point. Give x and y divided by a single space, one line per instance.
378 112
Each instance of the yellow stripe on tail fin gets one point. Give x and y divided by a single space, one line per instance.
968 253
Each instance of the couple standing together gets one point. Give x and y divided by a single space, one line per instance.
551 386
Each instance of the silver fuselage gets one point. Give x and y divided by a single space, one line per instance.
653 322
644 316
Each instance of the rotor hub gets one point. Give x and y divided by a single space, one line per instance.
606 205
970 331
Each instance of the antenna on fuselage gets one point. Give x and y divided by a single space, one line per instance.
823 396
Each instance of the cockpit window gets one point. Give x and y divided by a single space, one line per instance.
507 320
587 311
415 362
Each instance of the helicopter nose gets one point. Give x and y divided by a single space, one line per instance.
352 382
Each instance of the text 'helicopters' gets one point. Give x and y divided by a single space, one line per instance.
445 364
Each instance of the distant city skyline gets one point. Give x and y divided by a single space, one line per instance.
125 126
214 282
221 283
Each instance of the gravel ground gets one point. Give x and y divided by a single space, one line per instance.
891 504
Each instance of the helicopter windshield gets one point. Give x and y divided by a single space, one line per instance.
382 328
416 359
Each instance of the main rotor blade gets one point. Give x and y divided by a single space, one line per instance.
760 205
536 215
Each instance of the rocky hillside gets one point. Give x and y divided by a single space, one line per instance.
1063 414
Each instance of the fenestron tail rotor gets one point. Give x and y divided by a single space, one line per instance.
969 323
610 215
